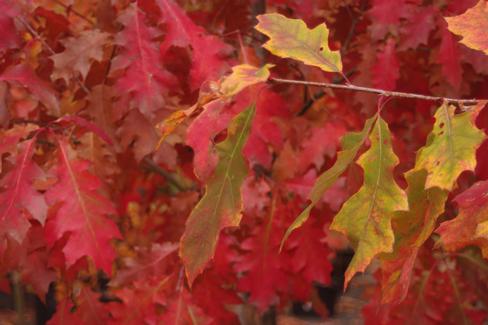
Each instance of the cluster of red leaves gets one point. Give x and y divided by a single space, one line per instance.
87 188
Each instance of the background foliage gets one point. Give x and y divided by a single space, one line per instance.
150 167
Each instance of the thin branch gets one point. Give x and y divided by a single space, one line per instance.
170 178
337 80
382 92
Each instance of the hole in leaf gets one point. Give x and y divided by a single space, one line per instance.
441 125
441 133
321 48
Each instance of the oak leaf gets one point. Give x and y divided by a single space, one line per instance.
351 143
472 26
10 38
243 76
412 228
451 146
291 38
469 227
20 200
366 217
79 54
82 212
386 71
26 77
221 205
208 52
449 57
144 79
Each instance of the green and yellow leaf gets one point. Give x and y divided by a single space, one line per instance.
351 143
243 76
366 217
221 205
451 146
291 38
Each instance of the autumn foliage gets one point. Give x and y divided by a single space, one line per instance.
172 162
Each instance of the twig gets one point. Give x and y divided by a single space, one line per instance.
170 178
18 294
382 92
321 94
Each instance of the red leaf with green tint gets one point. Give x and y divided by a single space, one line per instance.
221 205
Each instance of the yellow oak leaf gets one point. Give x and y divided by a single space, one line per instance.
451 146
366 217
291 38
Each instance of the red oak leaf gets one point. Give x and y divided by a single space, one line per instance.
20 200
420 22
265 131
440 295
214 296
262 265
386 70
449 57
149 263
88 310
82 212
10 38
142 301
385 15
305 243
469 227
264 276
207 51
182 310
144 79
9 139
136 132
201 133
79 54
23 75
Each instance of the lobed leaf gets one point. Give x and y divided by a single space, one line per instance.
366 217
82 212
208 51
79 54
451 146
291 38
243 76
20 200
25 76
472 26
411 228
351 143
469 227
144 79
221 205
